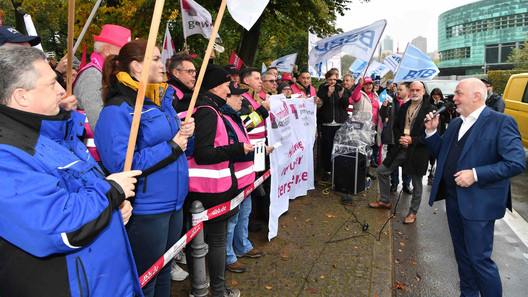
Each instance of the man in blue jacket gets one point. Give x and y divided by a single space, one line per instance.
477 155
61 231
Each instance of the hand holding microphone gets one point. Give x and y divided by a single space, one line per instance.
431 120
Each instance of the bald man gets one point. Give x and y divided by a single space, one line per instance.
477 155
410 150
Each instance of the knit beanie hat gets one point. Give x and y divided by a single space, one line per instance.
214 76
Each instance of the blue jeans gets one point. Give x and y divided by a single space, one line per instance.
150 237
237 232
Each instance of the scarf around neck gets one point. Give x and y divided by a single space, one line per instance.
153 92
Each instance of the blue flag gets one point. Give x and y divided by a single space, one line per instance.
384 96
415 66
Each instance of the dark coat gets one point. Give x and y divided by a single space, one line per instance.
333 108
417 153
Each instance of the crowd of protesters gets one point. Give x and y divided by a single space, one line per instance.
81 224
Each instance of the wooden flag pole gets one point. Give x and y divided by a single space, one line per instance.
154 28
206 59
71 19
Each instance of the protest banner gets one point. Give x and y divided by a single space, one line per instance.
415 66
196 20
168 48
319 70
392 60
357 67
359 43
292 122
285 63
378 68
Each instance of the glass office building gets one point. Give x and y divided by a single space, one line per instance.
480 36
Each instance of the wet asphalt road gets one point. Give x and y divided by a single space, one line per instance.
424 259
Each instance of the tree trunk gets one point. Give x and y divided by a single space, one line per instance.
249 43
19 16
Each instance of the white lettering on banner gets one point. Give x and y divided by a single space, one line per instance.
149 276
193 24
218 210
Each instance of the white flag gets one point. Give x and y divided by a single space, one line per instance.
30 28
196 20
415 66
392 60
285 64
359 43
378 68
246 12
168 48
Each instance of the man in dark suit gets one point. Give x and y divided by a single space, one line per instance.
410 152
477 155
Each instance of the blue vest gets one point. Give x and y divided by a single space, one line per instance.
450 166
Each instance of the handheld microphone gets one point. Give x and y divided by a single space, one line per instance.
447 105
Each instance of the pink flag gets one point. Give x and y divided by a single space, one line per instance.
168 47
235 60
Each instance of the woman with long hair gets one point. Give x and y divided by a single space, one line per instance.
157 217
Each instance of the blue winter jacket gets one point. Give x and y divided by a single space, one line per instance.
61 233
165 180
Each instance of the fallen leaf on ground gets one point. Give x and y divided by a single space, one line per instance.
400 233
398 286
347 229
399 250
328 234
295 218
308 220
418 277
234 283
414 263
312 290
335 265
402 244
321 277
397 261
325 222
330 215
269 287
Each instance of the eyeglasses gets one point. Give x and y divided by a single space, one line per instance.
270 80
189 71
287 89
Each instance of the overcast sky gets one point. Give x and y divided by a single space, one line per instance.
406 19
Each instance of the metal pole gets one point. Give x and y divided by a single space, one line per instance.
199 250
86 25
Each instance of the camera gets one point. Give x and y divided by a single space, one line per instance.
339 85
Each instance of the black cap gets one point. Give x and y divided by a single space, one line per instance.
231 69
235 89
214 76
282 86
9 34
487 81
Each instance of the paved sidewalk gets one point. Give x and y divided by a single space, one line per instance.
320 250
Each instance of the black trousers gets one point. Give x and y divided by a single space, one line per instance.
327 133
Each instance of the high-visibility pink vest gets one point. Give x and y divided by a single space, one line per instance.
96 60
258 134
89 139
213 178
178 92
296 90
244 171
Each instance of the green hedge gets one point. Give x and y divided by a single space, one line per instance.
500 78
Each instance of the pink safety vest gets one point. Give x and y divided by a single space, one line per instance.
296 90
244 171
258 134
89 139
213 178
178 92
97 62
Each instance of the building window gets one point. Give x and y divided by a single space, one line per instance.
499 53
498 23
455 54
492 54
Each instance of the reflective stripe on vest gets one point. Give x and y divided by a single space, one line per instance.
89 139
213 178
258 134
243 170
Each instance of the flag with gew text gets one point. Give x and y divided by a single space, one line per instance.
359 43
196 20
415 66
168 48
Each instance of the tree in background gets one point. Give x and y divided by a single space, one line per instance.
519 57
282 29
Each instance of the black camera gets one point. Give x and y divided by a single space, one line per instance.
339 85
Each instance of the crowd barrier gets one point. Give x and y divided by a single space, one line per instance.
197 222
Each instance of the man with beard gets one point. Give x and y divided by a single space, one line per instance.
411 153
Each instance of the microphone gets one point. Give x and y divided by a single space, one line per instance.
447 105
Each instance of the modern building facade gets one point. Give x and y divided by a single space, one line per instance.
387 44
480 36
